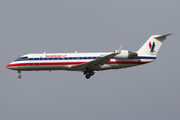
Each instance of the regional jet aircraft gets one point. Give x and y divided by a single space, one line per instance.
89 63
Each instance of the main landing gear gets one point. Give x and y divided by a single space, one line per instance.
19 76
88 73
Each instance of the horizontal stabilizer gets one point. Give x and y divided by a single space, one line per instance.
162 37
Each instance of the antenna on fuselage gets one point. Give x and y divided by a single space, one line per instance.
75 51
44 52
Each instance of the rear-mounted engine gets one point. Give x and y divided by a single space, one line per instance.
126 55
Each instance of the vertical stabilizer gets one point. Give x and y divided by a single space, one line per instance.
152 45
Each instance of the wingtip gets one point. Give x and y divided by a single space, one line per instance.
119 49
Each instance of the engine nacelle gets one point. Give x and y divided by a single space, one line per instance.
126 55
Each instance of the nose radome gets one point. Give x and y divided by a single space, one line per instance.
11 66
8 66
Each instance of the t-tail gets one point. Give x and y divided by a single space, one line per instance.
152 45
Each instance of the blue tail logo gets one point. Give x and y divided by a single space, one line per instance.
152 47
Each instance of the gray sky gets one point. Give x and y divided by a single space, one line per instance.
147 92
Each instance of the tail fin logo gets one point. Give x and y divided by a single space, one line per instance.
152 46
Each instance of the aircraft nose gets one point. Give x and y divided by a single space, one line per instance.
11 66
8 66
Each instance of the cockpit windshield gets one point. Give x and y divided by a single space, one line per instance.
22 58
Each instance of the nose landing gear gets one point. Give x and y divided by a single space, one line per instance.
19 76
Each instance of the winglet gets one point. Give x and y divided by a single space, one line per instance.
119 50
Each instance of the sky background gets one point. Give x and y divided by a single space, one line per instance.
147 92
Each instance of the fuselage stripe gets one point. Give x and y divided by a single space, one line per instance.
77 58
71 63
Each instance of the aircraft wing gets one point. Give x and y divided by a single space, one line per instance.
96 64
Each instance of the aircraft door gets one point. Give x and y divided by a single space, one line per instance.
31 60
36 60
77 58
40 59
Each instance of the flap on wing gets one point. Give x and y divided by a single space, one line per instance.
96 64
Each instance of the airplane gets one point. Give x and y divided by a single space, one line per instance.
89 63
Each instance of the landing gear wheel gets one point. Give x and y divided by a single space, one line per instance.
91 73
88 76
85 72
19 76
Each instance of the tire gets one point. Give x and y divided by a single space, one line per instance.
19 76
91 73
88 76
85 72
